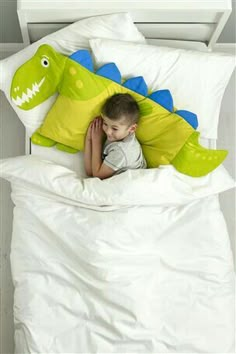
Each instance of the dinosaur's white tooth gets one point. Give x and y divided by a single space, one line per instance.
33 91
35 87
29 93
17 101
41 82
25 97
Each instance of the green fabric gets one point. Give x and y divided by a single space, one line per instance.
195 160
38 78
165 136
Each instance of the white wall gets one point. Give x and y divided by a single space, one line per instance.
9 24
12 137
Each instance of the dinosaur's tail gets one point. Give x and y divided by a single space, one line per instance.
195 160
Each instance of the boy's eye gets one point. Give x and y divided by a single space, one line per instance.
114 128
104 123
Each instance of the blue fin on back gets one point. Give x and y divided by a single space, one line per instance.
110 71
137 84
190 117
163 98
83 57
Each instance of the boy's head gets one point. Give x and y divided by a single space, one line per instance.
120 115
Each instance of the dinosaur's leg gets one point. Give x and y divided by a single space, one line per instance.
195 160
39 139
66 148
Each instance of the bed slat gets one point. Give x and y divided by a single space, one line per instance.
173 19
190 31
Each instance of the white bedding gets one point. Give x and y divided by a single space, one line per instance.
138 263
75 162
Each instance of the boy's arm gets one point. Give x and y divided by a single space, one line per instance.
99 169
88 153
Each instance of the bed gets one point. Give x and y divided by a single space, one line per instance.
100 268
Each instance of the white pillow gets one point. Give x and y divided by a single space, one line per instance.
196 80
66 41
177 44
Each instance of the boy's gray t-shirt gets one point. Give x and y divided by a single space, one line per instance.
123 155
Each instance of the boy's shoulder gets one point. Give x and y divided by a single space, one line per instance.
130 142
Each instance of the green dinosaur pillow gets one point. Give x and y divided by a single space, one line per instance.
165 134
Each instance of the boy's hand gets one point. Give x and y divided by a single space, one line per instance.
97 133
89 132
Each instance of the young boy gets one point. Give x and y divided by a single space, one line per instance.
122 151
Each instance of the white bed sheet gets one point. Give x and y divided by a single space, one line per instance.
100 268
76 161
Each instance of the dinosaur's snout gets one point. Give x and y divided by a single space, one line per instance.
20 96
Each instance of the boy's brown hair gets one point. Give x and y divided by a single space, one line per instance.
121 105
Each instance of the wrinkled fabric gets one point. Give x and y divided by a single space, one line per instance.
138 263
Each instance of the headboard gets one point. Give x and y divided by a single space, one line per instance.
189 20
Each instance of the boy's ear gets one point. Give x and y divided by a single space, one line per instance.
133 128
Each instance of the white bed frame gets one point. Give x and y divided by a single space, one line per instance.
186 20
190 20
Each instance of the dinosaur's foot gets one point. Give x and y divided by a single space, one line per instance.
195 160
39 139
66 148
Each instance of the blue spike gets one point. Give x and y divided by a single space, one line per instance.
83 57
137 84
190 117
163 98
110 71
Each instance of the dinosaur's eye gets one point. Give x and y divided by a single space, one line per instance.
45 62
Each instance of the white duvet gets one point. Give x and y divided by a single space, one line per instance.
138 263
